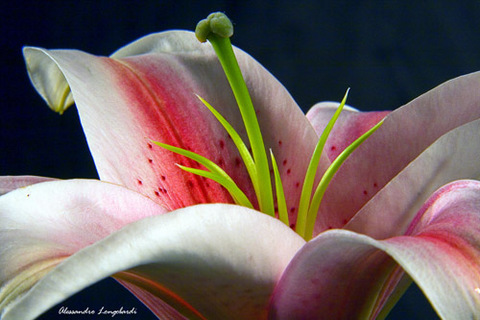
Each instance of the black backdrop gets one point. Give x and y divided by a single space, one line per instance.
388 52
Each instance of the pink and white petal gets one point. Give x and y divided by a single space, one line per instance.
350 125
341 273
222 260
456 155
147 91
9 183
284 127
42 224
335 276
406 133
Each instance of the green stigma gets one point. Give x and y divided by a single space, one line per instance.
218 29
217 24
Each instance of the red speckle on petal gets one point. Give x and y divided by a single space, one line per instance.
139 182
329 227
238 162
333 148
345 221
149 145
221 162
289 171
297 184
292 209
162 190
280 142
150 161
365 192
375 185
190 184
285 162
163 178
157 193
293 225
221 143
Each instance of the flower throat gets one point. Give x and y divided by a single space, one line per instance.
218 29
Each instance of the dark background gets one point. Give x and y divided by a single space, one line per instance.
388 52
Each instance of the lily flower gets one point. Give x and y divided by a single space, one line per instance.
198 219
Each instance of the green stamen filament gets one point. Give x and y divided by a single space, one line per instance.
327 177
307 188
238 196
281 202
237 140
216 173
224 50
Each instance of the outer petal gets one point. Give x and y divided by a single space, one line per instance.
211 261
339 274
406 133
9 183
42 224
454 156
146 91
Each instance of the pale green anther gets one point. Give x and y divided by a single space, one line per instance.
216 23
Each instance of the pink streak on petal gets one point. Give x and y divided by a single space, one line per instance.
161 106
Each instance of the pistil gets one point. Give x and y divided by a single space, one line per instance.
218 29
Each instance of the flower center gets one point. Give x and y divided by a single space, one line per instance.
218 29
